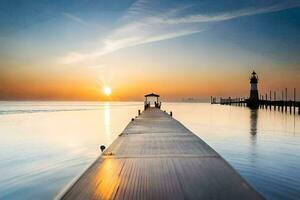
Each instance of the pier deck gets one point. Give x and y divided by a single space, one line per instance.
156 157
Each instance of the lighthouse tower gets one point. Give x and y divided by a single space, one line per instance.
253 90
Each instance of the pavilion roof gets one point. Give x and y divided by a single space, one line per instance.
152 95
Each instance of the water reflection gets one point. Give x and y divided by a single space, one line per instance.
253 121
107 121
253 137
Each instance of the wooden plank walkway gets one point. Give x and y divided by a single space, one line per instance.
156 157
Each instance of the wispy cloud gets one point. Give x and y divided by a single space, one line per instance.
143 25
198 18
74 18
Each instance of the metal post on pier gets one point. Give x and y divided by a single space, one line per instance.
285 99
294 103
270 100
275 100
266 105
281 100
260 100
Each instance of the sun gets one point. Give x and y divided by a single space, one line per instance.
107 90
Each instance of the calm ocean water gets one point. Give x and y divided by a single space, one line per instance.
45 145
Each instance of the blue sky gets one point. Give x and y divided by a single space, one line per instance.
58 37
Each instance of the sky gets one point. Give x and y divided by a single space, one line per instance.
71 50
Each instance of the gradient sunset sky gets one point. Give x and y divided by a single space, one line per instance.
70 50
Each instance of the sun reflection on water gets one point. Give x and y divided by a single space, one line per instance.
107 129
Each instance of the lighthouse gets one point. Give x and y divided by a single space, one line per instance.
253 101
253 90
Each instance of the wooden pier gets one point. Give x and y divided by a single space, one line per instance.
283 106
156 157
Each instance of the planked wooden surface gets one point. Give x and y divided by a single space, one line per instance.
156 157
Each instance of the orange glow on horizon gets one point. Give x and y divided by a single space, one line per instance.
44 85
